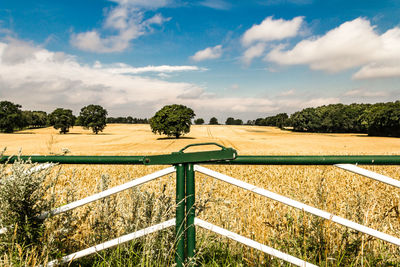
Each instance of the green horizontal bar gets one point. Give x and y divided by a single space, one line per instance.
240 160
314 160
79 159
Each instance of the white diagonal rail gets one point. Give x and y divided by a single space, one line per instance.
299 205
251 243
370 174
109 192
113 242
103 194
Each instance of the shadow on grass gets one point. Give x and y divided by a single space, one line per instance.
173 138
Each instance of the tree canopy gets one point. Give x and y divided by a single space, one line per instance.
381 119
233 121
213 121
199 121
10 117
62 119
93 117
172 120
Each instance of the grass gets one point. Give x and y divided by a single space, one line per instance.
319 241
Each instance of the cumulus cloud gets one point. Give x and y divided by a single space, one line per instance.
55 79
272 29
253 52
353 44
208 53
126 21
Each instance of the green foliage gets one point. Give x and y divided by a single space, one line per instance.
199 121
10 117
383 119
172 120
128 119
62 119
280 120
94 117
232 121
34 119
213 121
335 118
24 196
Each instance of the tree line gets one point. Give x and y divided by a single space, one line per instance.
93 117
129 120
381 119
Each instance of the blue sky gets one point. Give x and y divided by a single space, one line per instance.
245 59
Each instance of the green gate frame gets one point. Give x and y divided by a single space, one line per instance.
185 178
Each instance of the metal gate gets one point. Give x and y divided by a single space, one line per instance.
185 165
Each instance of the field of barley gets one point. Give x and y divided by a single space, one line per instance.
348 195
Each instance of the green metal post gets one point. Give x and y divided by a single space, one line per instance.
180 215
190 210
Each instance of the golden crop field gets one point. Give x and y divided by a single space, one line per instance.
351 196
128 139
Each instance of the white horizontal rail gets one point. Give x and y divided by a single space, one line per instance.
299 205
109 192
251 243
369 174
114 242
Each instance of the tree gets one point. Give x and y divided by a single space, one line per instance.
62 119
172 120
94 117
213 121
230 121
199 121
10 117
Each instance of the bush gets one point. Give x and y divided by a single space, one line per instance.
24 197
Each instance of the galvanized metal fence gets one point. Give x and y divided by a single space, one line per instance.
185 166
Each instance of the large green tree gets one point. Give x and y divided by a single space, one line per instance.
172 120
10 117
94 117
62 119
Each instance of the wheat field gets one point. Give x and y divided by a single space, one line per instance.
351 196
128 139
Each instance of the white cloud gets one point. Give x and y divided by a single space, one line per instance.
365 93
216 4
121 68
208 53
43 80
272 29
143 3
128 23
253 52
288 93
352 44
374 70
58 80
